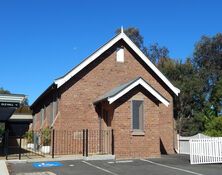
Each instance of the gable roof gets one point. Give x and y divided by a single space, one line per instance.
60 81
121 90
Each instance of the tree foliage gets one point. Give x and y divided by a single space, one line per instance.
183 76
216 97
207 61
156 52
3 91
213 127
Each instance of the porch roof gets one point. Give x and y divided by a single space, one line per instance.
121 90
8 104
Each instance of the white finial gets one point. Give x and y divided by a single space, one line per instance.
122 29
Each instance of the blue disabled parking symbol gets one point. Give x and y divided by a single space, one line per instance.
46 164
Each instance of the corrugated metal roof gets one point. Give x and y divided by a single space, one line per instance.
119 91
116 90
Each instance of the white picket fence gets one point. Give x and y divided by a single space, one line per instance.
184 145
206 150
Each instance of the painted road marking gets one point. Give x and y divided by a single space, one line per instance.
122 161
46 164
37 173
171 167
71 165
105 170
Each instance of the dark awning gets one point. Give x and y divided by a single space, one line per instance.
8 104
6 113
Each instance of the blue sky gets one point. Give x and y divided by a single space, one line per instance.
40 40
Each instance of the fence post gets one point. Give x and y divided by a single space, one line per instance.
6 144
87 143
83 142
100 140
112 142
20 146
53 143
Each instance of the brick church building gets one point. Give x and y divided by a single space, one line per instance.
117 87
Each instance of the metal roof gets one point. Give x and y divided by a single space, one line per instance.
115 91
119 91
18 98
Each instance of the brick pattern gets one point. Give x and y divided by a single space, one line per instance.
77 111
128 145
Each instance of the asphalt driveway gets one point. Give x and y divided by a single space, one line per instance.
168 165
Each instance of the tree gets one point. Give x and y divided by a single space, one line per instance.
207 61
216 98
155 53
213 127
183 76
3 91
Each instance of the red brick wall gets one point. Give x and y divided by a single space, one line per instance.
46 123
128 145
78 112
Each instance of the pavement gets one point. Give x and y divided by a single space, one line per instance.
168 165
3 168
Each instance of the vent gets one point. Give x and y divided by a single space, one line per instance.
120 54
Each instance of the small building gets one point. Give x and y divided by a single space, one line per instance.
15 118
119 88
14 115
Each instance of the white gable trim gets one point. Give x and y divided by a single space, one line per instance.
90 59
150 64
141 82
59 82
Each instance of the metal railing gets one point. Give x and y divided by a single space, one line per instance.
58 142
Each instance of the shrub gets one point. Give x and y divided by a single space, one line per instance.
29 136
214 127
46 136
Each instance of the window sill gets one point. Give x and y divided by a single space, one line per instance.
138 133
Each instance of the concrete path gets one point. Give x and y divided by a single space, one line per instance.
3 168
